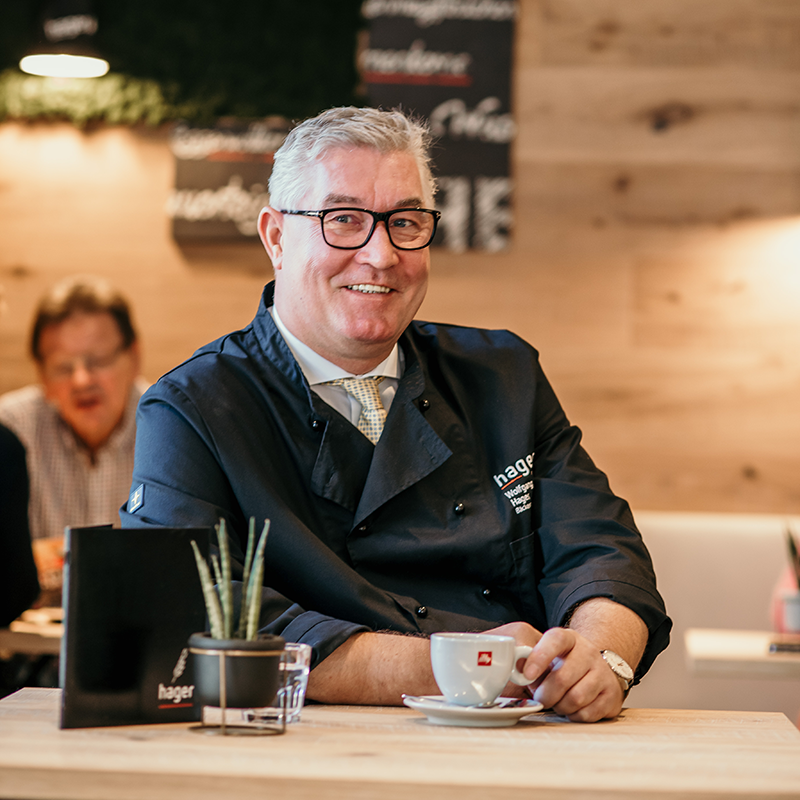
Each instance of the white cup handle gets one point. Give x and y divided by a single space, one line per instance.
520 651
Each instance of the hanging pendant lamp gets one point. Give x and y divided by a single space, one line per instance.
65 48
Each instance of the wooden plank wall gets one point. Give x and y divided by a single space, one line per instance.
655 261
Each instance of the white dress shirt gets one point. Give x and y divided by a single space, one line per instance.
318 371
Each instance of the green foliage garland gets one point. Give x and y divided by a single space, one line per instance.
113 98
197 60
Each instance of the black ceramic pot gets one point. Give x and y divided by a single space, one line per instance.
252 669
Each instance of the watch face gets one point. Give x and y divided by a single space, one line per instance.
618 665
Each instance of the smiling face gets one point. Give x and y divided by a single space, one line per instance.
87 374
350 306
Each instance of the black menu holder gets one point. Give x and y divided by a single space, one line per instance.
132 598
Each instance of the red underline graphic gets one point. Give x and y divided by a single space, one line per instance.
417 79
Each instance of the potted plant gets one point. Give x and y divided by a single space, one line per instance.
235 667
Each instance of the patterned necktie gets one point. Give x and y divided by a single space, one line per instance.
373 414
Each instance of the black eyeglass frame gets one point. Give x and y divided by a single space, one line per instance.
377 216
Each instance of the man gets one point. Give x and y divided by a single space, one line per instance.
78 424
475 510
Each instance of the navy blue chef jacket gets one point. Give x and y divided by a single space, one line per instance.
477 507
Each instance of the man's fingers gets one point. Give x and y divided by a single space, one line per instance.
566 678
603 706
567 695
555 643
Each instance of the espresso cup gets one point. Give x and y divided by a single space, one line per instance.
472 669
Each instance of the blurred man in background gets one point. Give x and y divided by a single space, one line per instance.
78 424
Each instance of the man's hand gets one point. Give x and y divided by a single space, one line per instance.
570 676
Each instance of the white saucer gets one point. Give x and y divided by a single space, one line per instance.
440 712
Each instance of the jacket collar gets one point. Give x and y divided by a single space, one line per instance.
409 448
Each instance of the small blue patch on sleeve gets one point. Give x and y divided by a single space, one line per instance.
136 500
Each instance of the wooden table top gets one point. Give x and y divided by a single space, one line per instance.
712 651
359 752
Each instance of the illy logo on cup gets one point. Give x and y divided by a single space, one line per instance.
485 658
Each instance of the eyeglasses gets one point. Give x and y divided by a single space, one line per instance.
64 370
351 228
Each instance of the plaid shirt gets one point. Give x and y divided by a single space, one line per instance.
66 487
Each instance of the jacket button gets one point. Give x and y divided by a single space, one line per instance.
487 593
316 424
421 612
424 405
459 508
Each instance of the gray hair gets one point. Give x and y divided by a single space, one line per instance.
348 126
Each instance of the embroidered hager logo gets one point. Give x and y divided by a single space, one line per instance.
513 484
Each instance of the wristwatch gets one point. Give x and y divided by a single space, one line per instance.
620 667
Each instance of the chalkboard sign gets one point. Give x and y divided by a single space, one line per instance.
221 176
450 62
